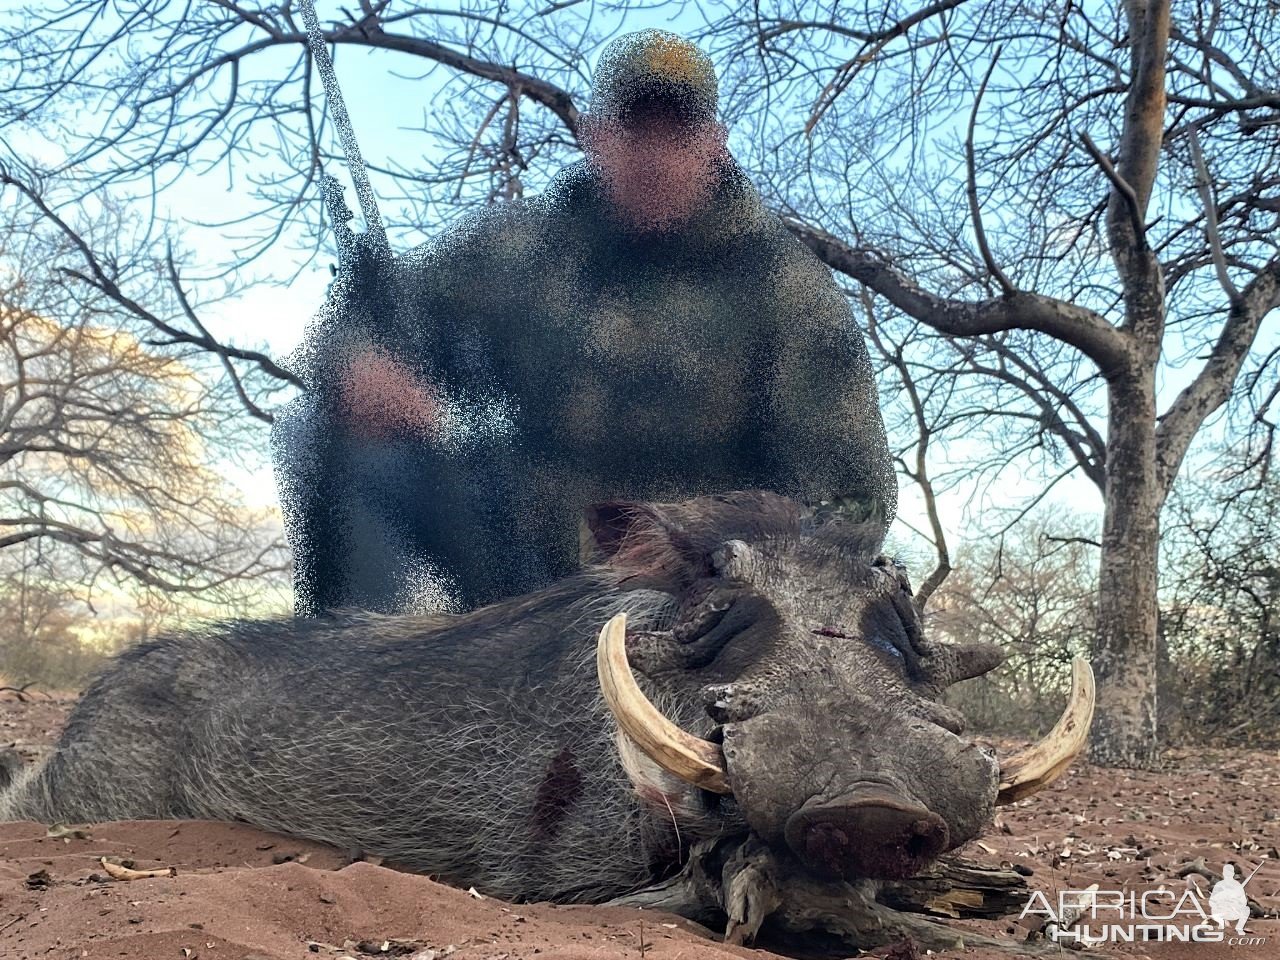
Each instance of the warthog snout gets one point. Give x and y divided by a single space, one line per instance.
873 831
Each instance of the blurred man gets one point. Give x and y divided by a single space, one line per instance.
645 329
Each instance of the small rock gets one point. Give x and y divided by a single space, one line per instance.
389 948
40 880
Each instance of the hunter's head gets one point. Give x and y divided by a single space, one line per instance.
652 133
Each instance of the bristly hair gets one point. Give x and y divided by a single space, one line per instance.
658 542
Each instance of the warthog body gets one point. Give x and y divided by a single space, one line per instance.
478 747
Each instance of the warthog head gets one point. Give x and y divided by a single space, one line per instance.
820 688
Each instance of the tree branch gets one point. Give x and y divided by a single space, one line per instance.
924 434
1213 385
1121 185
1143 134
1088 448
219 349
1204 187
558 101
99 280
975 211
1083 329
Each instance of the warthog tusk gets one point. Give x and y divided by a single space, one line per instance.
690 758
1034 768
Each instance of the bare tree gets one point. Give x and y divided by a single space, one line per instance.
111 450
1033 593
1131 259
50 640
1221 598
171 90
1075 200
918 421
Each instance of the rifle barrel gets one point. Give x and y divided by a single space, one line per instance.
341 120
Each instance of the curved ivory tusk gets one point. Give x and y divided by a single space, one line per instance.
1031 770
690 758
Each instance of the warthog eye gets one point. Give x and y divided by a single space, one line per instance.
875 639
885 644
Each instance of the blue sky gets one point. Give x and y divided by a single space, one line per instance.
384 108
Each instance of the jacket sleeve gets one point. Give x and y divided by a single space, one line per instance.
360 311
826 425
424 307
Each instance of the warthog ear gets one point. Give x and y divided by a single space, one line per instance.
603 528
636 538
952 662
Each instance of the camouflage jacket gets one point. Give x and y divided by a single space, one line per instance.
595 363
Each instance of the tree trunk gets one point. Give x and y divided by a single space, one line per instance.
1125 650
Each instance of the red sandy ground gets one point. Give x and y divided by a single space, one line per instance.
242 894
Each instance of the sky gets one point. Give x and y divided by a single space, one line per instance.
274 315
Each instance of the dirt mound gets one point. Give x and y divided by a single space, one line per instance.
242 894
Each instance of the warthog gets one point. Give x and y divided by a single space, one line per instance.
786 695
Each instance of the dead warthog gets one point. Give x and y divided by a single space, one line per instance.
783 700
